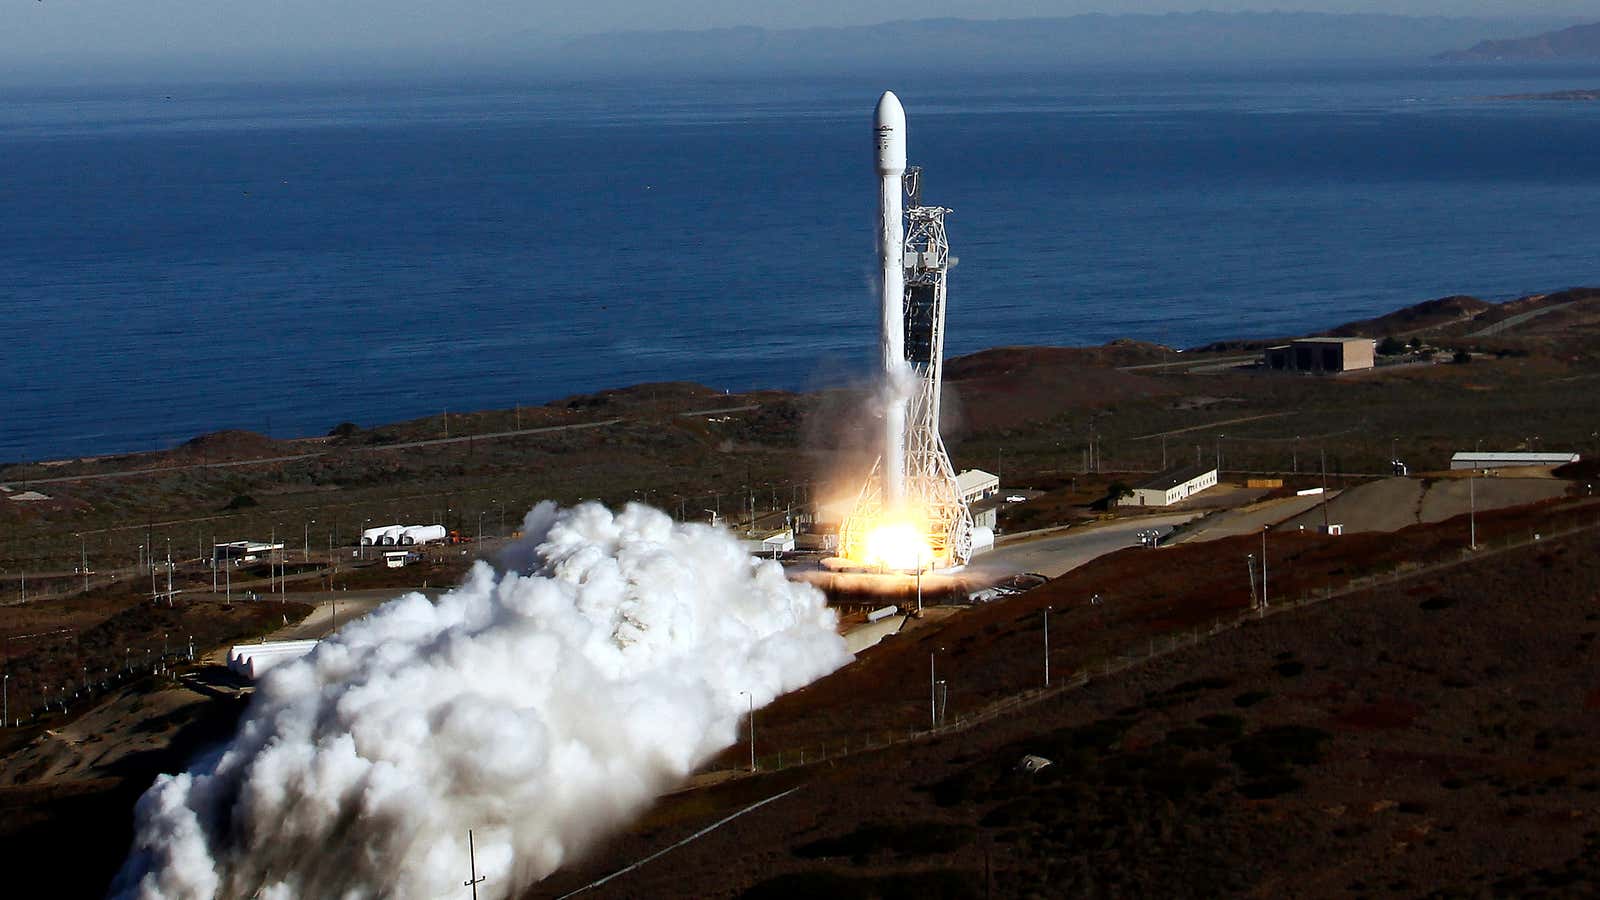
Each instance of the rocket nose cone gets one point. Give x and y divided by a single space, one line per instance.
889 133
890 112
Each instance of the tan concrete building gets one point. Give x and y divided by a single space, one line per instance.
1323 355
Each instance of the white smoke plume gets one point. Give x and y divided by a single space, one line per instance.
539 704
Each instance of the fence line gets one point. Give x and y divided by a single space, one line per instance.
1122 662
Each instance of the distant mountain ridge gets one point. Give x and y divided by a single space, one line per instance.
1012 43
1577 42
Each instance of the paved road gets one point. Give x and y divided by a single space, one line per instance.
1190 366
1058 554
1212 425
1513 321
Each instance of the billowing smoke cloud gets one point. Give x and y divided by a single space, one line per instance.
539 704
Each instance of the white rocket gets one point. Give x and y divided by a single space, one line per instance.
889 131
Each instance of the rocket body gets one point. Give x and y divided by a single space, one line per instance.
889 131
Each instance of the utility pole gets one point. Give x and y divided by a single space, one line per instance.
1324 452
472 859
83 561
1472 510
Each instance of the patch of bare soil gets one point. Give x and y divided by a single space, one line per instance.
1025 385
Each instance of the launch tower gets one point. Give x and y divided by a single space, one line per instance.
912 486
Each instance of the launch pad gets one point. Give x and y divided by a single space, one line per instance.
909 515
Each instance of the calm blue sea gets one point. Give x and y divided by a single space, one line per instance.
179 260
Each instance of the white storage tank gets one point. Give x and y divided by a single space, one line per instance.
422 534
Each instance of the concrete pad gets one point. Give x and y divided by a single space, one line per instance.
1389 504
1251 519
1450 498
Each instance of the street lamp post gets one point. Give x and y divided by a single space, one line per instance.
1250 570
1047 646
1263 567
752 729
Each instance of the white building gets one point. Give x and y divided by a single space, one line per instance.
244 551
769 543
976 484
1492 460
1171 486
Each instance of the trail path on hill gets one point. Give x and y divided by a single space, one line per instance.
383 448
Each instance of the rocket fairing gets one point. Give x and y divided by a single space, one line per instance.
889 131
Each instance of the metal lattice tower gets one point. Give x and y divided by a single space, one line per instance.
930 478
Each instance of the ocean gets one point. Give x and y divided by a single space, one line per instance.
176 260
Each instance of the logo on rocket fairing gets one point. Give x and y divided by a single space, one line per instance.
885 135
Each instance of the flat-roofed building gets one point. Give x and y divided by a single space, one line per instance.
244 551
1492 460
1323 355
976 484
767 543
1171 486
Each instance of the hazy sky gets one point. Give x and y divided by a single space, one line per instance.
63 33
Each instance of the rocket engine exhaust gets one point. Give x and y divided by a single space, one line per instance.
541 703
909 516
